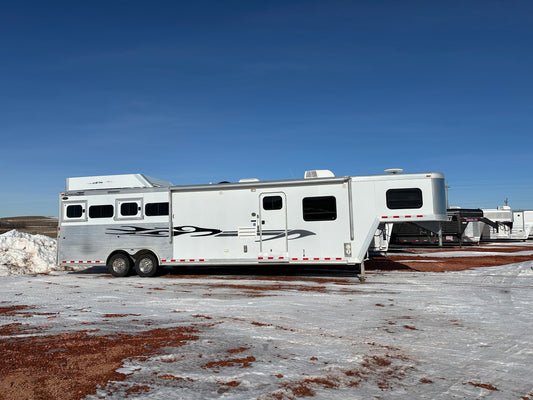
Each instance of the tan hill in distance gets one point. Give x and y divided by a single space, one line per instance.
36 225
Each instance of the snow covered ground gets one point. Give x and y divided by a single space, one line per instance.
401 335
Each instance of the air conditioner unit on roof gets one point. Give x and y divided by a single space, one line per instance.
319 173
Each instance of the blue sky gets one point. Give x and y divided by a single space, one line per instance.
205 91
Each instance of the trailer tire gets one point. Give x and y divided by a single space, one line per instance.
146 265
119 265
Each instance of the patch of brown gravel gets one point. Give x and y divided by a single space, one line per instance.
487 386
72 365
13 310
427 263
245 362
383 370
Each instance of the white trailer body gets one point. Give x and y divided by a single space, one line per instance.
328 220
506 224
473 231
502 220
521 229
528 220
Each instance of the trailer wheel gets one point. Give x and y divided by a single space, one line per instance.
119 265
146 265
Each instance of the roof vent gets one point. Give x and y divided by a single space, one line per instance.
393 171
248 180
319 173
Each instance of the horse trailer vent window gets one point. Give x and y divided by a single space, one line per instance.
319 208
75 211
105 211
129 209
153 209
404 198
272 203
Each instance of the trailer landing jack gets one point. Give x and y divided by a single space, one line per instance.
362 276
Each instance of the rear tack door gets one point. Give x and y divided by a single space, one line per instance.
273 227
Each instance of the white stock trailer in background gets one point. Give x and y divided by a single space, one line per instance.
528 220
136 222
507 224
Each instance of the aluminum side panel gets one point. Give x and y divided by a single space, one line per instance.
96 242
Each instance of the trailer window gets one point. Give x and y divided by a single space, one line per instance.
272 203
404 198
153 209
75 211
128 209
319 208
105 211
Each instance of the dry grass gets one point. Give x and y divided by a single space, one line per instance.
36 225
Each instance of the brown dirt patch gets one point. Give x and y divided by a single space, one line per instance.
13 310
259 290
427 263
383 370
245 362
462 263
239 350
487 386
63 366
120 315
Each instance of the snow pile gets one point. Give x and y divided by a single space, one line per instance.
23 253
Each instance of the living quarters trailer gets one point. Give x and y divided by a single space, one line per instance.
133 221
462 226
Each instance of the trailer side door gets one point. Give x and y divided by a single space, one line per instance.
272 225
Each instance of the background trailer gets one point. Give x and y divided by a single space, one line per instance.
504 223
462 226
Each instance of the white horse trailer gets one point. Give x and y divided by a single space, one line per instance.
521 229
528 220
133 221
506 224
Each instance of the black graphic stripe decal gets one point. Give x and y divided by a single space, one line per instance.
195 231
